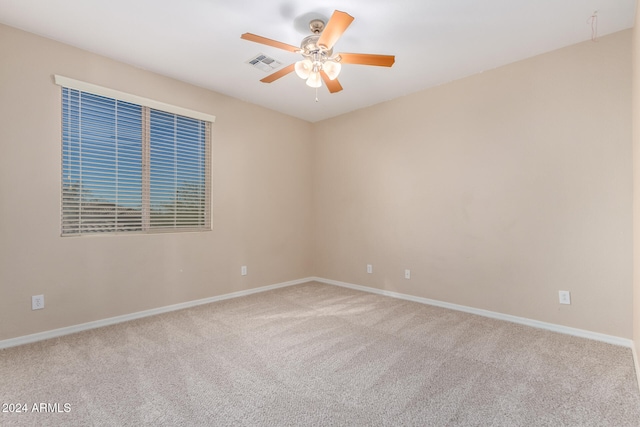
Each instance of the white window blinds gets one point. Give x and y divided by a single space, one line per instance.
131 168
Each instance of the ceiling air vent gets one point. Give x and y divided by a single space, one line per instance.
264 63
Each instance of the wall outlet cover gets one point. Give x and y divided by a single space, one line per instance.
37 302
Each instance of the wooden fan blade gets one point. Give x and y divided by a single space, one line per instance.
280 73
337 24
333 85
269 42
367 59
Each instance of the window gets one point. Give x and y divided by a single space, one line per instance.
130 167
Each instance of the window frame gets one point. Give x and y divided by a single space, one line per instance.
146 105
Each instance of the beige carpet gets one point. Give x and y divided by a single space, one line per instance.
316 354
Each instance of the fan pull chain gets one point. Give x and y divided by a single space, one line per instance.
316 94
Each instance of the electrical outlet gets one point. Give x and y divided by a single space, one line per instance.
369 268
565 297
407 274
37 302
243 270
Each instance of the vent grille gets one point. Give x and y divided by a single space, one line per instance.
264 63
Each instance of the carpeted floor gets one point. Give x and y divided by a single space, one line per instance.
316 354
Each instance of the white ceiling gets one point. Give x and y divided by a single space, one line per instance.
434 41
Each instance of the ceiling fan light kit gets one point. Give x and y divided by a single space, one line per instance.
332 69
319 64
314 62
314 79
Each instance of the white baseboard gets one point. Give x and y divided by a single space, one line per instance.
12 342
610 339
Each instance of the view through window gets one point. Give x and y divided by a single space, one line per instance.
132 168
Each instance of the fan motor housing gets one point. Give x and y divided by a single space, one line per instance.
310 45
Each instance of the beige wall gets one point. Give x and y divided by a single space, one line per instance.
496 190
261 200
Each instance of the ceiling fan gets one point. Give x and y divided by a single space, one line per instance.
319 63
